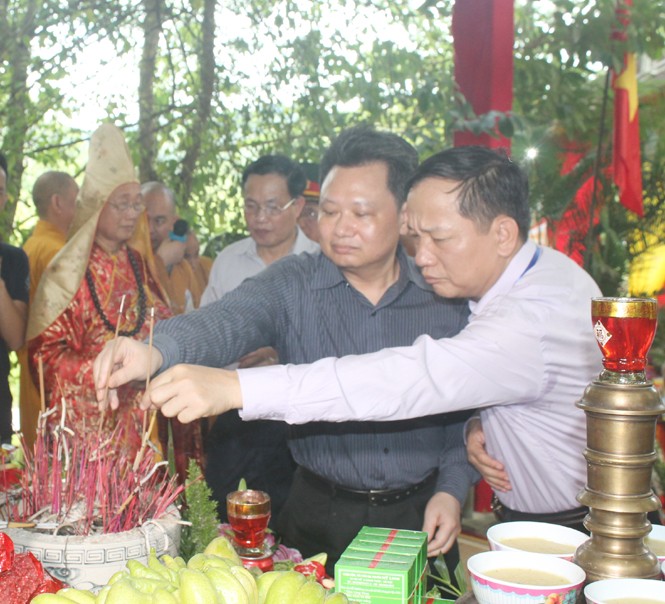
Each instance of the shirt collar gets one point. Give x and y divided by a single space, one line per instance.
328 275
301 244
511 275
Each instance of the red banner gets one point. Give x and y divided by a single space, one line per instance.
627 161
483 35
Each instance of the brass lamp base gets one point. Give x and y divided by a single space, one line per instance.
621 425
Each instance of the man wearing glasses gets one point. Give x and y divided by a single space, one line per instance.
272 189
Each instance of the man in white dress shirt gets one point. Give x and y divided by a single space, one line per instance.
524 359
272 189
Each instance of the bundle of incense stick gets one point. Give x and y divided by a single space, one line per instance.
82 486
102 415
147 429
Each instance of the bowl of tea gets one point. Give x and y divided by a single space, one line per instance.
655 541
536 537
625 591
503 577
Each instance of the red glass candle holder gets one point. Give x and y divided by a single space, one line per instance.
249 514
624 329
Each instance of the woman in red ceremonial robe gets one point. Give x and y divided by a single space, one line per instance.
77 305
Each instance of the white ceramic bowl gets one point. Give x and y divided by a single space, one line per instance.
657 534
633 590
89 562
551 532
495 591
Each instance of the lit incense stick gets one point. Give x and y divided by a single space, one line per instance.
147 429
113 351
42 395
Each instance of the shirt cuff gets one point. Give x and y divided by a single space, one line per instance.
169 350
265 392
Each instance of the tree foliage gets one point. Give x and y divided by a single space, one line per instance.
218 83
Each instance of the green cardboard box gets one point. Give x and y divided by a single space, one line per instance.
405 547
383 583
396 536
383 566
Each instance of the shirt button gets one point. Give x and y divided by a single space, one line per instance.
386 450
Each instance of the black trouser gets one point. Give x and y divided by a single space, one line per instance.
256 451
314 521
570 518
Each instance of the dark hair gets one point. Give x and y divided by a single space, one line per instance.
3 164
489 184
278 164
362 145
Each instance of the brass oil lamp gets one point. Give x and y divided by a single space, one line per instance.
622 408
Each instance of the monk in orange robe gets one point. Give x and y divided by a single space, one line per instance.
54 195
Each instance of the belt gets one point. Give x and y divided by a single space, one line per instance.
372 497
565 518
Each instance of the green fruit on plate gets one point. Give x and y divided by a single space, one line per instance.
51 599
123 592
115 577
172 563
247 581
197 562
265 581
103 594
336 598
150 586
228 588
136 569
222 547
310 593
77 595
161 596
196 588
156 566
284 589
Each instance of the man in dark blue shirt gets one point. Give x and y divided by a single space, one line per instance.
14 291
360 294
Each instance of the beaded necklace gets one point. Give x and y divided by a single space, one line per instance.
142 301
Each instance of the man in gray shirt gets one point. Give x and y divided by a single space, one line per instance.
361 294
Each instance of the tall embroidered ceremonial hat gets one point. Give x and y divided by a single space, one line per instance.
109 166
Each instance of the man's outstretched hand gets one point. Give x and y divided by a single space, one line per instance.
190 392
122 361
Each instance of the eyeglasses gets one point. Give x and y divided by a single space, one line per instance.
251 207
125 206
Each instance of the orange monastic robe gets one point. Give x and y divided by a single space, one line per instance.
44 243
177 283
71 343
201 267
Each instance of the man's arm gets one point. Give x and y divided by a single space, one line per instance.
13 319
430 377
244 320
442 520
488 363
216 335
14 299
